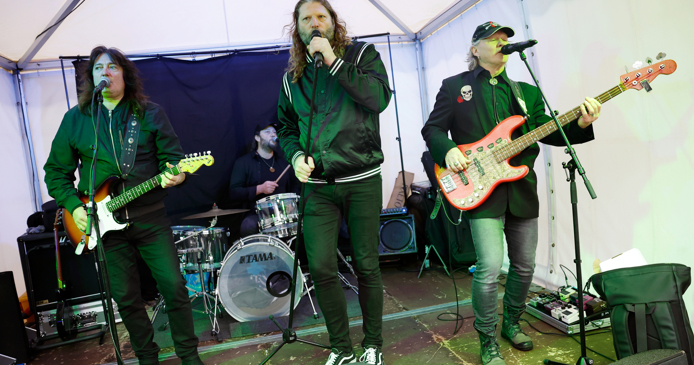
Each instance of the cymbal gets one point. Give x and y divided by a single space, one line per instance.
214 212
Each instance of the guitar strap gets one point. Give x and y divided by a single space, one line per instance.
127 158
518 94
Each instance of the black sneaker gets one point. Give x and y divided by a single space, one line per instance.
372 356
338 357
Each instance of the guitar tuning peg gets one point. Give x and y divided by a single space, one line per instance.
209 152
626 68
195 154
660 56
649 60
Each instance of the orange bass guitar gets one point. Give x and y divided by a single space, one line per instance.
489 156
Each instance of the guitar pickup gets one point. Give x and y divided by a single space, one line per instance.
463 178
447 183
479 166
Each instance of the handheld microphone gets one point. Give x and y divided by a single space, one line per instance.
317 56
518 47
274 139
104 83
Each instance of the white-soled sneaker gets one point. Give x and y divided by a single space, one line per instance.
338 357
372 355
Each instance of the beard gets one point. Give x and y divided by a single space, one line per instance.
267 145
306 36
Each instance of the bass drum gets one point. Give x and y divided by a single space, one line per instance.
254 281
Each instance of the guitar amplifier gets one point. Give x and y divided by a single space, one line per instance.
396 235
37 253
83 316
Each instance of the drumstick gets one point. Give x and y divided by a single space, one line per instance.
282 174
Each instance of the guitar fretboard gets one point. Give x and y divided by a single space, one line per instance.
526 140
136 192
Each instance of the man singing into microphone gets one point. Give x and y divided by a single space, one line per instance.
125 110
469 106
342 173
254 175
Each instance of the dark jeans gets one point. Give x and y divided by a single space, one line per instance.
360 204
151 235
488 236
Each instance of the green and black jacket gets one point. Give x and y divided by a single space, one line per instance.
157 145
350 95
471 120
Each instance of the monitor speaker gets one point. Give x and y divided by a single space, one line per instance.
13 338
396 235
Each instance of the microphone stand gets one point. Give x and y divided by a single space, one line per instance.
573 165
288 334
93 221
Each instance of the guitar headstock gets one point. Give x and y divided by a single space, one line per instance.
642 77
194 161
58 219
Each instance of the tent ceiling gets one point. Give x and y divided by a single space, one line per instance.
137 26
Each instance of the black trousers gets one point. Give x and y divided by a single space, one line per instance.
359 203
151 235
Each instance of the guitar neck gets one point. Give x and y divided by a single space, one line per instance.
136 192
523 142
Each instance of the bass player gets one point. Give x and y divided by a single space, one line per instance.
155 147
469 105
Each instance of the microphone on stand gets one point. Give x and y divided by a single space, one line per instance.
104 83
274 139
317 56
518 47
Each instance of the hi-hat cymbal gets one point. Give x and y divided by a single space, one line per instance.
215 212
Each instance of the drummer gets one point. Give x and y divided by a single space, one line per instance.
255 175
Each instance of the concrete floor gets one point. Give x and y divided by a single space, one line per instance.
416 330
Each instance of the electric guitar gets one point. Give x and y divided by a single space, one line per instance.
107 203
64 323
489 156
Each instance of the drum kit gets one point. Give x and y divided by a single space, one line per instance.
251 280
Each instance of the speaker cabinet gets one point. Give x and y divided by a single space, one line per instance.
396 235
37 253
13 338
655 357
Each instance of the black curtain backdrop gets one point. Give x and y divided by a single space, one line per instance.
214 105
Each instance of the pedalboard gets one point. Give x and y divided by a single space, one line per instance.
560 310
81 315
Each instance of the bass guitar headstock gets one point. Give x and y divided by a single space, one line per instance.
642 78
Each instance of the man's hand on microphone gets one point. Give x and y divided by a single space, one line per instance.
302 170
266 188
322 45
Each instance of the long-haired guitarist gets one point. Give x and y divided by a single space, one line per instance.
136 143
469 106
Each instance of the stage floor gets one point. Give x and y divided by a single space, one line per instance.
416 330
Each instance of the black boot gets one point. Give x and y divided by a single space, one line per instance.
510 330
489 350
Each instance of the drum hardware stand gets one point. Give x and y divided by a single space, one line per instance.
342 277
288 334
425 262
315 314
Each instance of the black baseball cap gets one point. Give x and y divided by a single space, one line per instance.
486 29
262 126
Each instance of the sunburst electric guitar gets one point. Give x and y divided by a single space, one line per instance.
489 156
107 202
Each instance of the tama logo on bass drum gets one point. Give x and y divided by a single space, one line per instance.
247 259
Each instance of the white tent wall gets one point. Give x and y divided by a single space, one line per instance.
640 164
410 115
15 187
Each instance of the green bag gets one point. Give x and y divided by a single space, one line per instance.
647 308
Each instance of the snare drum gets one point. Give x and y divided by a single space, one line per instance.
197 244
278 215
254 281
